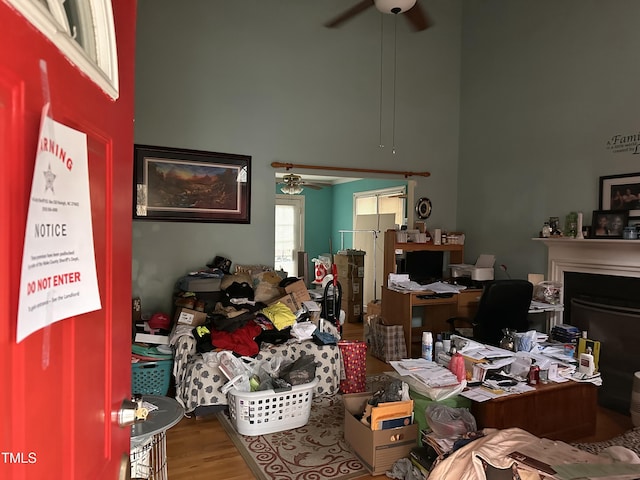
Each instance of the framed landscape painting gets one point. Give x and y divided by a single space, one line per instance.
190 185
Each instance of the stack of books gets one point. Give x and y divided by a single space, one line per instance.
565 333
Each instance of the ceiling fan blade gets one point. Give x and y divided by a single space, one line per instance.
418 18
348 14
312 186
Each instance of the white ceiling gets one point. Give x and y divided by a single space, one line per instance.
333 180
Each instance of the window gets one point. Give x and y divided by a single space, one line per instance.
289 231
377 202
83 31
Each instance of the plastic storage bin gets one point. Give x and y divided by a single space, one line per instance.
259 413
151 378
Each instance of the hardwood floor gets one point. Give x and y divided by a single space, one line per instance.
199 449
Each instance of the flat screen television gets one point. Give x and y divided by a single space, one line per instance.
424 266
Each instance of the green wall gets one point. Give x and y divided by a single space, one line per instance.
545 85
265 78
509 104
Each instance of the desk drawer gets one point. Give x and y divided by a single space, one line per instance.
419 302
468 301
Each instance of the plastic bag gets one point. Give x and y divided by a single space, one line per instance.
264 372
447 422
525 341
302 370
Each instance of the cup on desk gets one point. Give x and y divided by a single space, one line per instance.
437 236
544 375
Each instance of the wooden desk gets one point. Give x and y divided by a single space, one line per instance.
559 411
399 309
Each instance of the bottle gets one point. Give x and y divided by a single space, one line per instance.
571 224
586 364
427 346
534 374
446 341
456 366
438 347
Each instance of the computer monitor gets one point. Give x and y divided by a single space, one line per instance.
424 266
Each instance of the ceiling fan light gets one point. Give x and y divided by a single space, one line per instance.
394 6
291 189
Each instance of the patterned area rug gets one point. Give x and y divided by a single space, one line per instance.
630 440
316 451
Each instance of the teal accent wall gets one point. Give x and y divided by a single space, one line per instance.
329 210
318 222
343 205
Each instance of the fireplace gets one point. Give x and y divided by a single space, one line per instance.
600 280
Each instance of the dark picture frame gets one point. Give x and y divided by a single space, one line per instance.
613 223
173 184
621 192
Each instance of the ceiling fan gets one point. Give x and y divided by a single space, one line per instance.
416 16
293 184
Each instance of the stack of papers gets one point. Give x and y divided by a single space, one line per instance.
428 373
402 283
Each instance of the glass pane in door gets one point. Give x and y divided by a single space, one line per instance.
285 241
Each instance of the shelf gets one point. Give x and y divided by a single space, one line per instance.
414 246
456 251
585 242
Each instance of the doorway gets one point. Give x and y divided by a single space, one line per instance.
375 212
289 232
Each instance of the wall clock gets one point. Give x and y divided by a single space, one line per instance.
423 208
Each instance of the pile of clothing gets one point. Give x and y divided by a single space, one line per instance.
241 324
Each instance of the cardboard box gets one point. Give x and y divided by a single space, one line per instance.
374 307
352 288
186 316
314 311
377 450
296 294
352 311
349 265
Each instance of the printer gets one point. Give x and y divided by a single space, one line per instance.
482 271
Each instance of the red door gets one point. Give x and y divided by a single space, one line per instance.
62 385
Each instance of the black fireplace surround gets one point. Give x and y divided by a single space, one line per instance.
607 307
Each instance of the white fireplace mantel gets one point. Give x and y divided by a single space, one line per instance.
597 256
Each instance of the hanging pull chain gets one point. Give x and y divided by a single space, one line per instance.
380 144
395 51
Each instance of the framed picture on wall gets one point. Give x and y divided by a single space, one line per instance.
190 185
621 192
609 223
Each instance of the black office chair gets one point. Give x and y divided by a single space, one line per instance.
503 304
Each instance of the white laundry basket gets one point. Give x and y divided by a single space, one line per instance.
268 411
